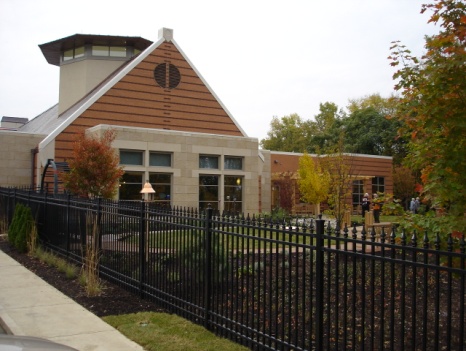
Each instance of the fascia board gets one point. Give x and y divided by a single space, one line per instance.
99 93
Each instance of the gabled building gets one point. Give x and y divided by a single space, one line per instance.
172 129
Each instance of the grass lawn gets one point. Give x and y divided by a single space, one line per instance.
168 332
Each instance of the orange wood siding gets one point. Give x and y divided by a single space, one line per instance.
371 166
138 101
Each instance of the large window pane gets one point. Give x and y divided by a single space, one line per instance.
131 157
130 186
233 192
378 185
233 163
161 182
159 159
208 191
210 162
357 192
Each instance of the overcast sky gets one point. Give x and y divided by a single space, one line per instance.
262 58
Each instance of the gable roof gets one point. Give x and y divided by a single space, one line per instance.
52 51
69 116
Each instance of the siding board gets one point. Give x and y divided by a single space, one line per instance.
137 101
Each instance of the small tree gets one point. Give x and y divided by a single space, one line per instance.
314 182
285 188
339 167
94 172
94 168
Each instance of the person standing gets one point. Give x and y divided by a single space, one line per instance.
412 205
377 207
365 205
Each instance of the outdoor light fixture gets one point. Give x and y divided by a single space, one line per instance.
147 192
147 188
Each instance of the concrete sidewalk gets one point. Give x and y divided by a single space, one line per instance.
29 306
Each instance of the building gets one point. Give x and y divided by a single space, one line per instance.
172 129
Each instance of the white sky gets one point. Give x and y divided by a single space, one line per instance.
262 58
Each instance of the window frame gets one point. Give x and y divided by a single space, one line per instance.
141 152
169 154
228 158
204 156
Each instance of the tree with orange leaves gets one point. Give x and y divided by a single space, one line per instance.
94 168
432 107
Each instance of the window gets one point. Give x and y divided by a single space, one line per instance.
358 192
233 163
233 194
98 50
79 52
208 191
160 159
210 162
378 185
131 158
117 51
161 182
130 186
73 53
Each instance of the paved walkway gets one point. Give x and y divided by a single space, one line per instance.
29 306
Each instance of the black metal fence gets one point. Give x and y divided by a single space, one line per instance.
271 286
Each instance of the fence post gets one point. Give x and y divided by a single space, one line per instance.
45 228
142 247
68 239
208 266
319 318
98 222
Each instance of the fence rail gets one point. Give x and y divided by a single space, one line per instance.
266 285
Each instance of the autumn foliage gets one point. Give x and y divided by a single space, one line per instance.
94 168
433 107
314 182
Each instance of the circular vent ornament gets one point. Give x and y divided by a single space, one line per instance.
167 75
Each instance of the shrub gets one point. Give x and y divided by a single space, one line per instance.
21 227
22 237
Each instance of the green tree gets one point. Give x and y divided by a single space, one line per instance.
326 128
288 133
432 108
384 106
314 182
370 128
367 131
94 168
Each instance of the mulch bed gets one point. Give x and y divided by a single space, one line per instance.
114 300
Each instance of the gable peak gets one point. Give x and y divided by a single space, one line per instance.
166 33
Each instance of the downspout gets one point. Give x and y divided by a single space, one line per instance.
34 152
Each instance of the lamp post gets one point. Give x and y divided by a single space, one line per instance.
147 194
